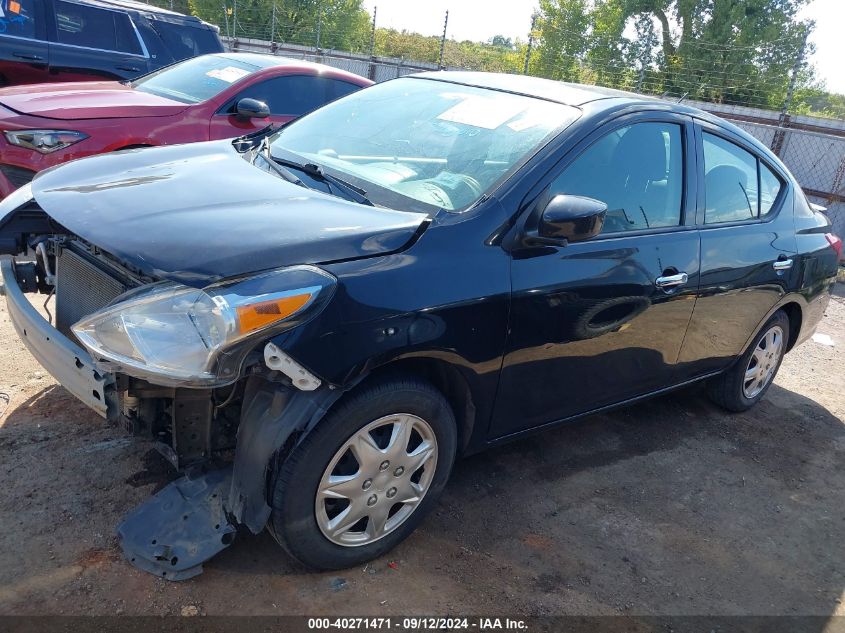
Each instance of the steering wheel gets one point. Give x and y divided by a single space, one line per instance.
472 184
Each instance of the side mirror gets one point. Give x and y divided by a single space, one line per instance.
252 109
569 219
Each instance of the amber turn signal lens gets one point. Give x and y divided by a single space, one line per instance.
256 316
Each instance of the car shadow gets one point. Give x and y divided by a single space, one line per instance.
671 506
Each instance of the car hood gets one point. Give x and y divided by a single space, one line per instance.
87 100
198 213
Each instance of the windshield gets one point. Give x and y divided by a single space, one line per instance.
194 80
441 144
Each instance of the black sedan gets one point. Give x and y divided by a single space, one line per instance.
313 322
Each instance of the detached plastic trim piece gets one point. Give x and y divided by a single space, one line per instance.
175 531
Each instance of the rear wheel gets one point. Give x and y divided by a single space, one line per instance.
745 384
363 480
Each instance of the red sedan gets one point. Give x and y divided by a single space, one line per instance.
204 98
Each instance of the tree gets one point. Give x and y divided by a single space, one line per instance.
727 50
500 41
737 51
562 27
340 24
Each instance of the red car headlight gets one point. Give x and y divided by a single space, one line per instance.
44 141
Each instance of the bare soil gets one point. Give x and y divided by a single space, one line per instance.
670 507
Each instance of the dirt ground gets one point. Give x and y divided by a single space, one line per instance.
670 507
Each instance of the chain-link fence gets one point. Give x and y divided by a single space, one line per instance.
817 161
376 68
757 73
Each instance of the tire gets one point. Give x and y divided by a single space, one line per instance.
303 516
731 390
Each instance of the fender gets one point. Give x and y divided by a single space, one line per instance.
274 417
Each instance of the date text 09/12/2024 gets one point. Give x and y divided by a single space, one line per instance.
417 624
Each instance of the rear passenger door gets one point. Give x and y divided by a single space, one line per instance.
23 42
287 96
748 247
92 42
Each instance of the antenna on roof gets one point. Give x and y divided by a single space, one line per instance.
682 98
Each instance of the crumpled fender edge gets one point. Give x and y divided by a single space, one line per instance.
271 414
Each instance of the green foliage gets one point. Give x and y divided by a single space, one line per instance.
726 51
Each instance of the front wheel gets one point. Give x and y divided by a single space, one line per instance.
363 480
745 384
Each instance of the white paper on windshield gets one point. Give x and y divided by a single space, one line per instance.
541 113
230 74
481 112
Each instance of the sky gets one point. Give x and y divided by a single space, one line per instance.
479 20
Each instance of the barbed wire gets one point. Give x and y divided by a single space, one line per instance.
756 75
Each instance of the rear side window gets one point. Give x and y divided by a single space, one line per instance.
92 27
21 18
294 94
637 171
737 186
770 186
183 41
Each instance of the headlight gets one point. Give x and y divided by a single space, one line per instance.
174 335
44 141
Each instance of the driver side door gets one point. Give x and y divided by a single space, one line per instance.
599 322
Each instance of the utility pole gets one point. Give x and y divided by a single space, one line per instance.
319 27
372 70
273 25
530 43
235 19
373 34
783 120
793 79
443 39
226 17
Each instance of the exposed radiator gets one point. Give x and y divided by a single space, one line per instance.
81 289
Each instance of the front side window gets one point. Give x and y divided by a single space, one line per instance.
637 171
292 95
92 27
422 143
196 79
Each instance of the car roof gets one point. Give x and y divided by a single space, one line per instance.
262 61
579 95
548 89
132 5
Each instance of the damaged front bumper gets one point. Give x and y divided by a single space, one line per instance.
195 517
66 361
173 532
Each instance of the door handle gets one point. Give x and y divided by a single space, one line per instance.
27 56
670 281
782 264
129 69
